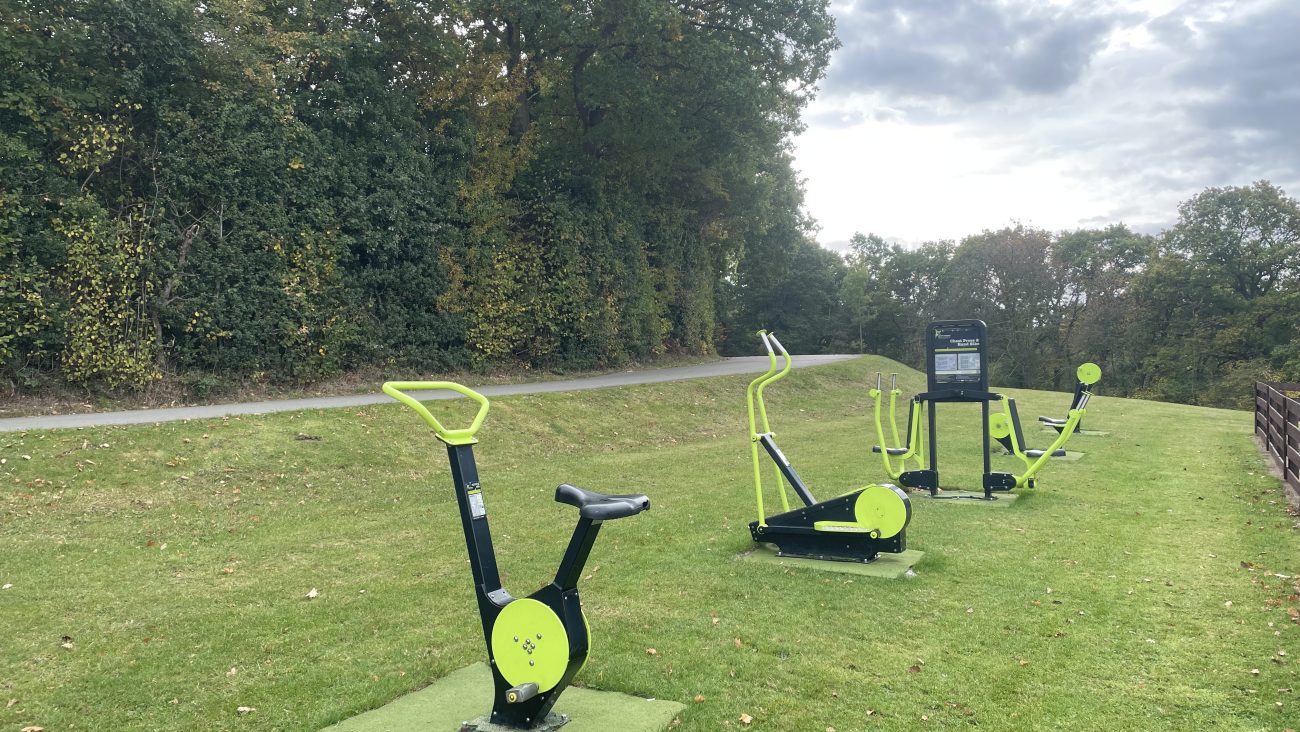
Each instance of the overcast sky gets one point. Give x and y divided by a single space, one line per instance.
941 118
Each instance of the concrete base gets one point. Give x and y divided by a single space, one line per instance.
467 695
966 498
887 566
1069 457
552 723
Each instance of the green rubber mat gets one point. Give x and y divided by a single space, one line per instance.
888 566
466 694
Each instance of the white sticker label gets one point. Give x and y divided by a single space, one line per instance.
780 455
476 508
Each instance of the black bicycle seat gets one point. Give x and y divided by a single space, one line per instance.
599 506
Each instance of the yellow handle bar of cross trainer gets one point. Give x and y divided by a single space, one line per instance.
397 389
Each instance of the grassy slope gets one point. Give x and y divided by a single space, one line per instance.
177 558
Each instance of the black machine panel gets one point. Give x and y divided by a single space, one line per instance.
957 353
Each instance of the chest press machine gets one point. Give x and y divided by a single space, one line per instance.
956 371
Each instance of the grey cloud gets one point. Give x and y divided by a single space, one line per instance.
962 51
1214 101
1251 65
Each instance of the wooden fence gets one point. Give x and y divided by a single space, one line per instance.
1277 425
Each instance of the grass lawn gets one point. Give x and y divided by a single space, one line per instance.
157 577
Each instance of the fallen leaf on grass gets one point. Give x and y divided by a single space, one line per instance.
745 719
1254 672
313 594
1023 662
6 586
914 669
738 643
699 698
246 710
651 652
33 729
232 671
11 703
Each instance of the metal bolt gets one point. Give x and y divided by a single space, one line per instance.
516 639
539 636
531 662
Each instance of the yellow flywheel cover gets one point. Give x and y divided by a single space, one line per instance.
529 644
883 507
1089 373
999 425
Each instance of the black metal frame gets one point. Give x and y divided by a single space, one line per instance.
794 534
967 390
561 595
1059 424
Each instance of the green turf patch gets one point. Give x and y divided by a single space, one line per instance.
466 694
886 566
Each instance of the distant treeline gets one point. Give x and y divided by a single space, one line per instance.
286 190
1193 315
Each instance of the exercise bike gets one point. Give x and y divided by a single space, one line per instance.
536 644
855 527
1087 375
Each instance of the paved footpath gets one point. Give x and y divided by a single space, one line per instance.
725 367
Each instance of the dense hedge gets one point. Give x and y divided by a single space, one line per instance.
289 189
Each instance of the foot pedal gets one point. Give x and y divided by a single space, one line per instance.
846 527
999 481
521 693
925 479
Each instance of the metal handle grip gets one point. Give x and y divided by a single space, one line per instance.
397 389
772 337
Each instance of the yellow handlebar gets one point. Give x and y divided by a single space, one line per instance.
396 389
